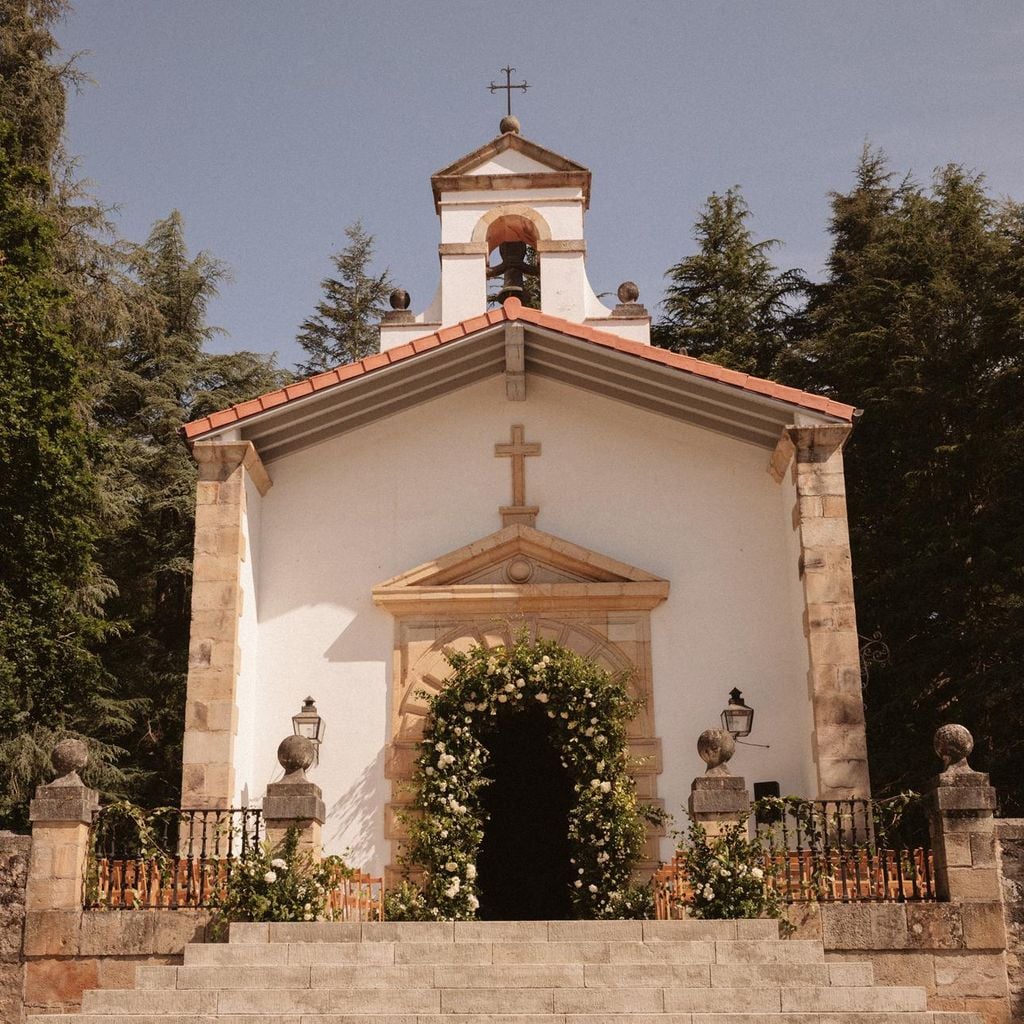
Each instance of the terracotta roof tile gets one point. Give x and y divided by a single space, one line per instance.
272 399
374 362
513 309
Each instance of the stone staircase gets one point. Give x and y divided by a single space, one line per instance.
516 972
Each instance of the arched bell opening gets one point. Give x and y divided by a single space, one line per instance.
512 259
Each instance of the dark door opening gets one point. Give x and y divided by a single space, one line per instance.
523 865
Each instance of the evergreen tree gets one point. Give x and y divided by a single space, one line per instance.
51 588
31 87
50 678
727 303
920 323
345 327
158 377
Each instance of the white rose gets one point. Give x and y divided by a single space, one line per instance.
606 787
592 888
278 863
595 783
757 873
502 698
542 698
270 876
473 902
578 884
471 871
451 866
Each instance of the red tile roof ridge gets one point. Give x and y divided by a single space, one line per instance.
512 309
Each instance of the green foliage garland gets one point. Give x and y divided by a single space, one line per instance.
590 711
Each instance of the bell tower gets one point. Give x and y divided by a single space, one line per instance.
497 205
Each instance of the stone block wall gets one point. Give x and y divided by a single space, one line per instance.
955 951
14 857
1010 833
69 951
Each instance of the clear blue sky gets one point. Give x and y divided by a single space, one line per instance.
272 125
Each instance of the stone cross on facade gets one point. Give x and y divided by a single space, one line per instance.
518 451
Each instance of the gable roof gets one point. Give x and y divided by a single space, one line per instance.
653 378
562 172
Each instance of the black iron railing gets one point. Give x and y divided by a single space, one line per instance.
167 858
829 851
848 850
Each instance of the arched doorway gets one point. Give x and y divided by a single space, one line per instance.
523 864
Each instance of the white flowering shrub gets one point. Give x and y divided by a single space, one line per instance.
729 875
280 884
589 710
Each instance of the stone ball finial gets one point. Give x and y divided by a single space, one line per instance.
954 743
716 747
399 299
68 758
295 754
510 125
628 292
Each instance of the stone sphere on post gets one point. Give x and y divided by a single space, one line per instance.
295 754
954 743
716 747
399 299
69 757
510 125
628 292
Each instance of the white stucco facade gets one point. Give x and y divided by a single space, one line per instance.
693 507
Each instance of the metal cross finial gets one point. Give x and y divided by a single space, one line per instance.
508 87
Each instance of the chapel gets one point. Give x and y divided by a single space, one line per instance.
519 456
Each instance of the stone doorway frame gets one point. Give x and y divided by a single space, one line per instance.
584 601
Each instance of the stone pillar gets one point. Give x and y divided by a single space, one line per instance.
718 798
61 815
295 802
830 622
963 824
211 713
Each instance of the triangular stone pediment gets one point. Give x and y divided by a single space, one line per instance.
530 154
521 568
510 161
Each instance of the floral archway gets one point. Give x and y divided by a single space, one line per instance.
590 711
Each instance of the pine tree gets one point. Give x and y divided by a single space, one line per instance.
727 303
50 678
158 377
920 324
51 588
345 326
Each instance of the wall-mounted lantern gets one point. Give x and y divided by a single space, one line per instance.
737 718
308 723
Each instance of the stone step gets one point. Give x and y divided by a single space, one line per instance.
526 952
725 1016
497 976
503 931
705 998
